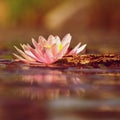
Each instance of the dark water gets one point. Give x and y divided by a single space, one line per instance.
43 93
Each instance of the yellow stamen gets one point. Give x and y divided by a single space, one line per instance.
47 46
60 47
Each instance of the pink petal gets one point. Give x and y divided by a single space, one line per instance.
38 55
24 46
37 46
27 51
41 40
20 58
28 46
49 53
37 51
34 43
66 39
81 49
58 41
63 51
48 56
73 51
54 49
24 55
51 40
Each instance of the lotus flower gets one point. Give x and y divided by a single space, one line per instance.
47 51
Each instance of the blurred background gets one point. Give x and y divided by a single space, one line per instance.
94 22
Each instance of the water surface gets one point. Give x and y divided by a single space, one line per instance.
51 93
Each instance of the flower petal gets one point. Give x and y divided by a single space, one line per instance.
48 56
51 40
80 49
34 43
66 39
47 51
62 52
58 41
55 49
27 51
24 55
38 55
42 41
74 50
20 58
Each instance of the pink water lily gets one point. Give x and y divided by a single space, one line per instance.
47 51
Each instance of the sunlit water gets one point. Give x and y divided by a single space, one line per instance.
45 93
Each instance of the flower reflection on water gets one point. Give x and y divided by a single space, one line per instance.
49 85
48 77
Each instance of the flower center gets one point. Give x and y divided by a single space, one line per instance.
60 47
47 46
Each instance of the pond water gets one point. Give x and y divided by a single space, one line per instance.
50 93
